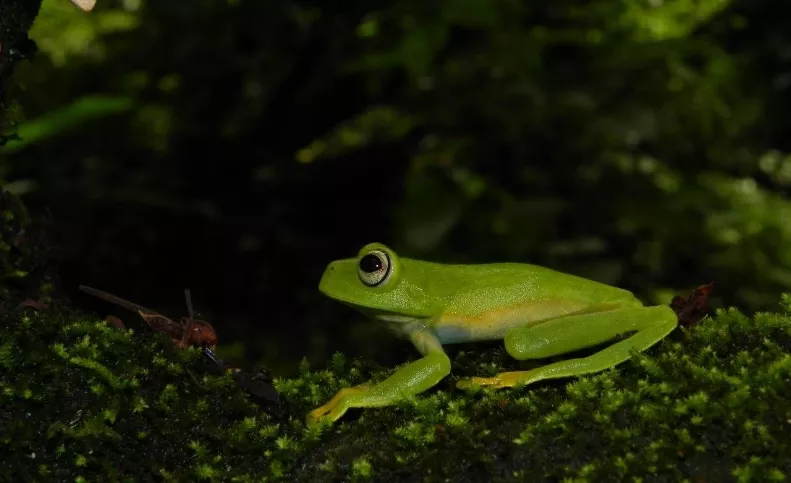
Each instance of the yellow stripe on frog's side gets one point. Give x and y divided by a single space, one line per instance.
492 325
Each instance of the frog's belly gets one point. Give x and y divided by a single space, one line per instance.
454 328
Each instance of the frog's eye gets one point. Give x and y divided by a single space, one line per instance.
374 268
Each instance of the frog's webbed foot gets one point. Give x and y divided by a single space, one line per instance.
337 406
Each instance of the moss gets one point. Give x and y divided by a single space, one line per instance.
80 400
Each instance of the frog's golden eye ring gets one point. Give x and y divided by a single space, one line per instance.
374 268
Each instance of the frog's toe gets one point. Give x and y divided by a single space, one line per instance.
322 415
505 379
464 384
315 417
473 382
336 407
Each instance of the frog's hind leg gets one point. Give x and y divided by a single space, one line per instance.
567 334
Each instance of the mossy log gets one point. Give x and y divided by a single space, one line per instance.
83 401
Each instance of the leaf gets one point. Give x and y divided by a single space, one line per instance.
693 309
420 46
66 118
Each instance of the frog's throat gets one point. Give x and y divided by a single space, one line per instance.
396 318
391 317
400 324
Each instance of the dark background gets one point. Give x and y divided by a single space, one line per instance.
236 147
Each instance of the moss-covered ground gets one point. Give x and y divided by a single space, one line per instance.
83 401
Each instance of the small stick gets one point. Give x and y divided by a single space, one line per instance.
190 321
116 300
188 296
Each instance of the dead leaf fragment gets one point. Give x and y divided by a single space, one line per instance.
691 310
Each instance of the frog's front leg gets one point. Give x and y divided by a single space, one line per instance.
567 334
410 380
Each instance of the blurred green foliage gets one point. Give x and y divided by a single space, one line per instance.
68 117
642 144
24 271
14 260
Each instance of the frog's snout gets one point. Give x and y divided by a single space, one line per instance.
340 280
327 277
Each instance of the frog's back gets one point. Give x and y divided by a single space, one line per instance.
525 281
491 298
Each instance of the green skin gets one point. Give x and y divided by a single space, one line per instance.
538 312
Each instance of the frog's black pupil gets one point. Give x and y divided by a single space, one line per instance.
370 263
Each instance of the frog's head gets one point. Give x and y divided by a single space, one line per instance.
380 284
